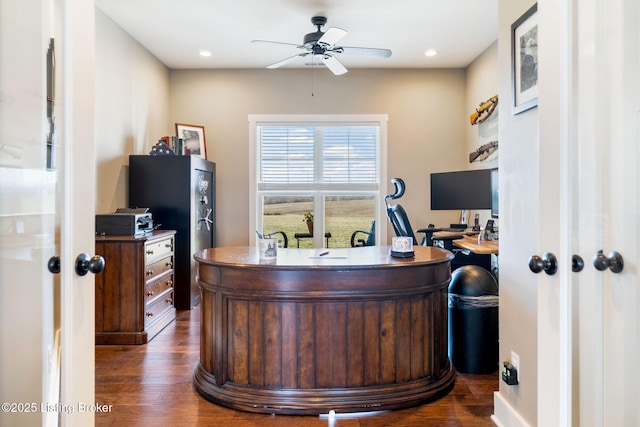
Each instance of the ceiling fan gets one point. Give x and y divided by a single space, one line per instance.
323 44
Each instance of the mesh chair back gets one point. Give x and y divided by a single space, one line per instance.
400 222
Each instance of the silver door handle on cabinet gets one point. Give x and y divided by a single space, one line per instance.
613 261
548 263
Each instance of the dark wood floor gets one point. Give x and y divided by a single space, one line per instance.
152 385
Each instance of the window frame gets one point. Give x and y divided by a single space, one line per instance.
379 188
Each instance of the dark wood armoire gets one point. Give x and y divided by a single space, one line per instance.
180 193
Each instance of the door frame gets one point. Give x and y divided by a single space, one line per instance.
77 71
555 386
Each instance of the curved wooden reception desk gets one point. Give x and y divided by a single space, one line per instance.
352 331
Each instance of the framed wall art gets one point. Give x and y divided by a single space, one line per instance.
193 140
524 60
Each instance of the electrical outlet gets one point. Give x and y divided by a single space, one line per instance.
510 374
515 362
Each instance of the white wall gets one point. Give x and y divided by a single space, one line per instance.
426 130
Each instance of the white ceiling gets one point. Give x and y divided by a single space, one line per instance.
176 30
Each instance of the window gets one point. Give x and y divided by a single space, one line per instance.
331 166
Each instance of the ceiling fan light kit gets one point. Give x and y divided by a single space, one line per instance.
323 45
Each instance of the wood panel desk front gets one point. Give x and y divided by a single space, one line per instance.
352 331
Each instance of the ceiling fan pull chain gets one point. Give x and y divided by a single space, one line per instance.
312 74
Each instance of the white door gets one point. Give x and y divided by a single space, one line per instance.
589 136
46 210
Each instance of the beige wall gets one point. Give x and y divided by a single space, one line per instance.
519 228
481 84
132 108
427 125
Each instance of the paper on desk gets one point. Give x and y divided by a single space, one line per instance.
329 254
327 257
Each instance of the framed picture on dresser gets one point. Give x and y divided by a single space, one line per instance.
193 139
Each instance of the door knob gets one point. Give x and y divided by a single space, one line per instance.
613 261
548 263
85 264
577 263
54 264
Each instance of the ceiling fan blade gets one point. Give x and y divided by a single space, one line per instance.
369 51
272 42
332 36
334 65
287 60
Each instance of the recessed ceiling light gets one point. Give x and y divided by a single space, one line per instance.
205 53
431 52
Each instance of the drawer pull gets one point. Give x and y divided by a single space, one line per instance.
150 293
149 252
168 245
170 283
149 314
169 264
169 300
149 272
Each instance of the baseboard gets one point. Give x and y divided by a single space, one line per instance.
504 415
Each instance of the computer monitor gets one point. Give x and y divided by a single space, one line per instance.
494 193
461 190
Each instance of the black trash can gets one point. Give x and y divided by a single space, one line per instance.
473 320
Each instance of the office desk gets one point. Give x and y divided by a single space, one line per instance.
446 238
466 248
448 235
355 330
470 243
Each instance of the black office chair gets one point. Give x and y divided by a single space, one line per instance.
369 241
398 216
285 239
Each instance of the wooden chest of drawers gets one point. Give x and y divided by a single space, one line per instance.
134 293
